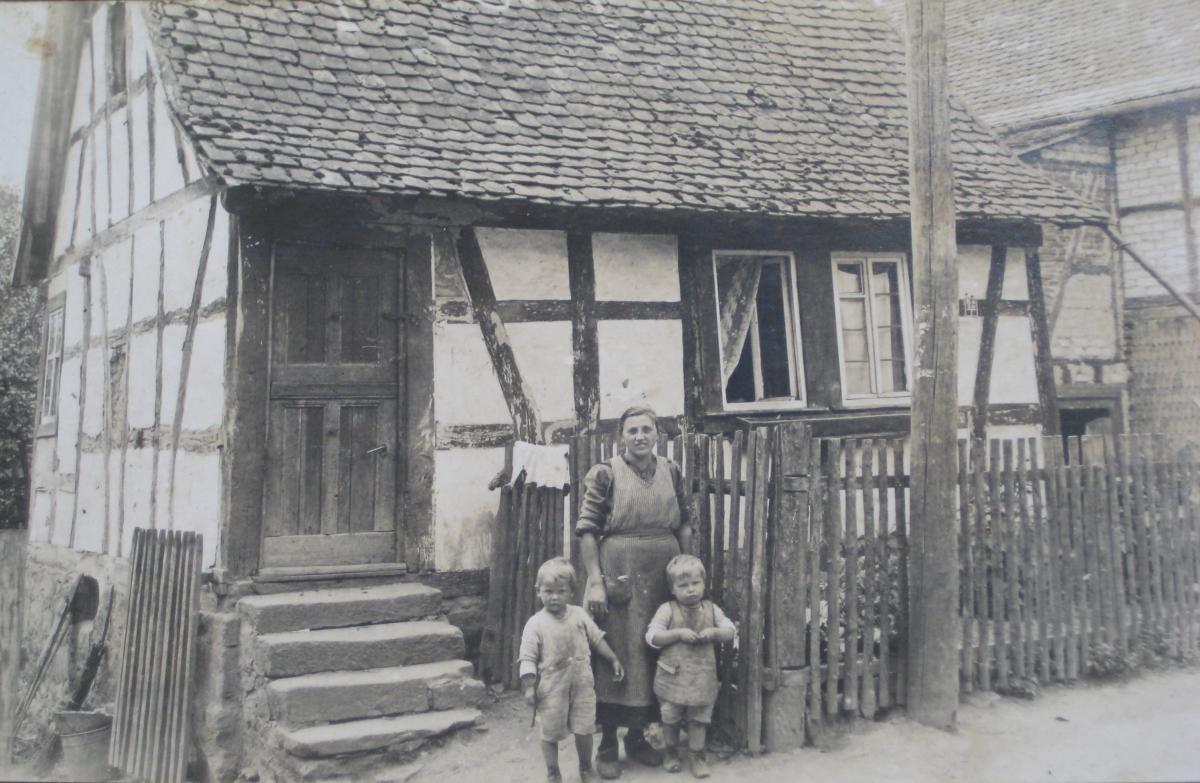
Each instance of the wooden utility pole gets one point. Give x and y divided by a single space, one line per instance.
933 626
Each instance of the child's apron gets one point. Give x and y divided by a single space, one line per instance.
687 673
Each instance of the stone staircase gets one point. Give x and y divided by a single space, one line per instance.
344 681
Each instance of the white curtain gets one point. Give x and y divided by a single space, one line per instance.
737 292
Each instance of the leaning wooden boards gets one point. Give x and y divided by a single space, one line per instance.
150 728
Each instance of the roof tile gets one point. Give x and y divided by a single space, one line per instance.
789 107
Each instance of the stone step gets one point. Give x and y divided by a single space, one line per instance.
372 693
374 734
339 607
363 647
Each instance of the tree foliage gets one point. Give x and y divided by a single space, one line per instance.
20 349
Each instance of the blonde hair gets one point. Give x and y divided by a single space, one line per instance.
682 565
556 569
637 410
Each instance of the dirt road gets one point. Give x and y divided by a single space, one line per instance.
1143 729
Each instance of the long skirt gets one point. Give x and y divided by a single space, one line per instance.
643 558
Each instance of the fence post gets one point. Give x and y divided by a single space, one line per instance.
12 595
784 700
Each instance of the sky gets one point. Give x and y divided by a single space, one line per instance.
21 28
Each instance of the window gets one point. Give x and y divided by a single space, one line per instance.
758 330
51 366
115 48
873 319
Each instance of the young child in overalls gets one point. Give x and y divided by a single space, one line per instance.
687 630
556 667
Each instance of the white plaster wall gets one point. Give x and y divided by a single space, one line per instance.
172 360
197 502
973 264
641 362
141 358
543 354
146 251
101 196
205 403
1016 286
114 275
184 238
90 521
60 530
119 163
168 175
140 118
93 409
138 466
526 264
466 390
636 267
66 203
68 414
41 509
464 508
1014 377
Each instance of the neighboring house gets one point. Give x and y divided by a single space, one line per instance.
309 267
1104 97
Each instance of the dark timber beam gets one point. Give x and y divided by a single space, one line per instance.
987 341
244 458
585 343
417 390
1040 331
517 396
934 627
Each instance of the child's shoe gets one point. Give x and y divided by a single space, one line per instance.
671 760
553 775
586 774
698 761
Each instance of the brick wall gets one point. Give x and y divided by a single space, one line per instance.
1153 150
1158 176
1164 351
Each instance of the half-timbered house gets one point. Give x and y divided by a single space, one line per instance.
309 267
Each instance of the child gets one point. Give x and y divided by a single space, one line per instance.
556 667
686 678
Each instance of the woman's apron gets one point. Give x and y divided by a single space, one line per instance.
639 539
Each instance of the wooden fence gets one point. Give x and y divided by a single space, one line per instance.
1069 550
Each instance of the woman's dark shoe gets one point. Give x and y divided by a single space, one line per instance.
671 760
643 752
698 761
607 765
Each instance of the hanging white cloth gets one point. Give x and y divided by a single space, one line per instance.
545 466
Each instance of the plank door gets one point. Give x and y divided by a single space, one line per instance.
332 432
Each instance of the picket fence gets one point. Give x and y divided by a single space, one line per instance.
1073 553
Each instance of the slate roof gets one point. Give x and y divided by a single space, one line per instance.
782 107
1021 62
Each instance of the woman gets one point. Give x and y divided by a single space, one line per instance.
633 519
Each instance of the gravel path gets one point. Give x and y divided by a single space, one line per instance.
1146 728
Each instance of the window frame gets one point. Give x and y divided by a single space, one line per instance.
867 260
798 379
47 424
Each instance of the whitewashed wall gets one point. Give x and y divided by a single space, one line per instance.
119 252
640 361
1014 374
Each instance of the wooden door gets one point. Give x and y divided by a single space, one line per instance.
334 392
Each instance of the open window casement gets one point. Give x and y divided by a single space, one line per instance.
874 325
758 329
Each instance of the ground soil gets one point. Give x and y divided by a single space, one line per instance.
1145 728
